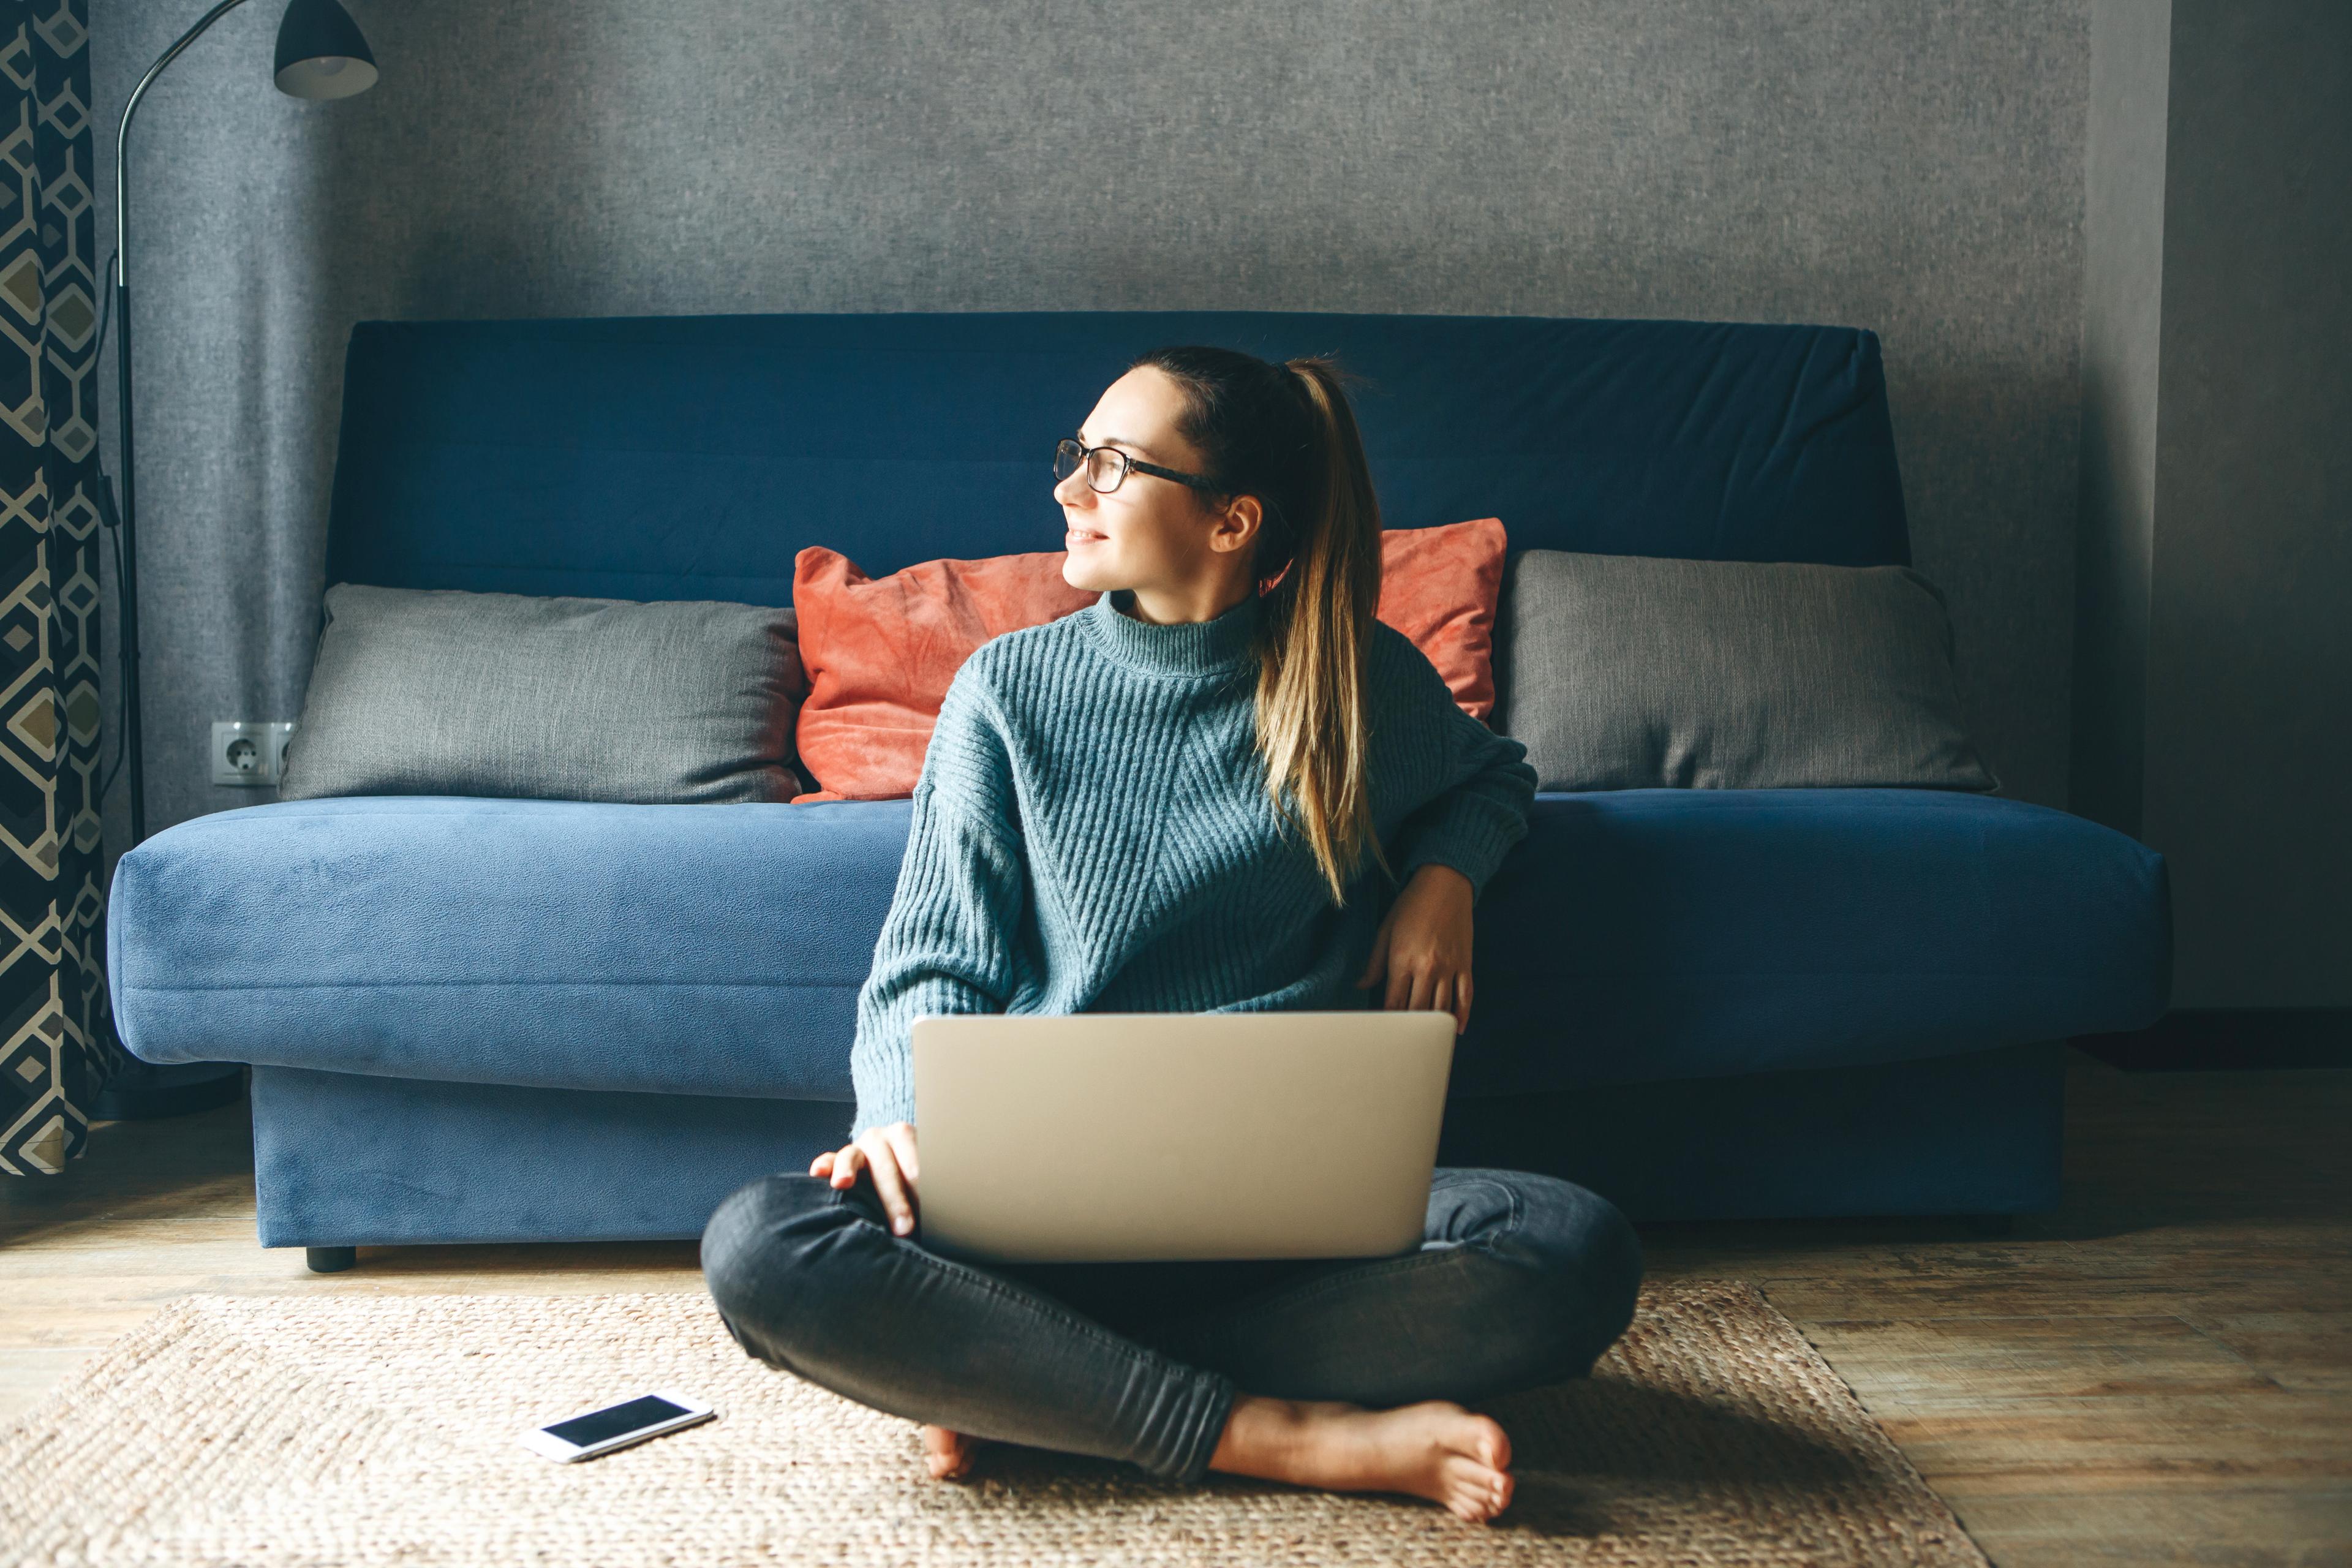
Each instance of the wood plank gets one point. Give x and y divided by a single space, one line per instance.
2182 1443
2249 1528
1923 1366
2297 1345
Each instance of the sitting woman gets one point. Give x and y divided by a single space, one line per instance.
1176 799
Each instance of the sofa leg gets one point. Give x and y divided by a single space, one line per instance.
330 1260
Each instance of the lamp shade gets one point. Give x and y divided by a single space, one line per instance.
321 53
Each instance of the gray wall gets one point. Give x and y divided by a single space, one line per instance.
2123 281
2216 676
2250 617
1912 167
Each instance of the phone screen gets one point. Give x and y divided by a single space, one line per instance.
585 1431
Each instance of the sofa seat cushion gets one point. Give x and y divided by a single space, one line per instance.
719 949
703 948
1654 933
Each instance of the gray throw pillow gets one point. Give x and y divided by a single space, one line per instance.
436 691
1638 672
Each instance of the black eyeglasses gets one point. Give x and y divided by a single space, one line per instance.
1107 467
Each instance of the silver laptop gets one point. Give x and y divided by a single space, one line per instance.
1096 1137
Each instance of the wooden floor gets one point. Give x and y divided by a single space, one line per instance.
2159 1373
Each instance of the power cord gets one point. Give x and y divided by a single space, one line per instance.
110 519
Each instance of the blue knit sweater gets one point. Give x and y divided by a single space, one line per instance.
1090 833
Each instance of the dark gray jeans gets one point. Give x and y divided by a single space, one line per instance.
1521 1280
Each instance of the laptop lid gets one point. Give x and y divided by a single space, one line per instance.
1097 1137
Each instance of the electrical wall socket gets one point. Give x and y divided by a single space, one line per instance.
249 754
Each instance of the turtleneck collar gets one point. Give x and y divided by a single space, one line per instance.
1188 647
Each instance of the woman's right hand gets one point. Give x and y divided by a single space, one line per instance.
889 1153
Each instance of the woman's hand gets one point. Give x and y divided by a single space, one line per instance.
1425 945
889 1153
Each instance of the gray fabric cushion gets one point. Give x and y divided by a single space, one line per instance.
430 691
1634 672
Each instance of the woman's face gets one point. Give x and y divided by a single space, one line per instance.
1152 533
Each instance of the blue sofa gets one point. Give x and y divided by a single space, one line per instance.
498 1020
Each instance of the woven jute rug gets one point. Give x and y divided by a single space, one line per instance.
354 1431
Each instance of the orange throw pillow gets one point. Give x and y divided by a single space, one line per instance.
1439 586
879 656
880 653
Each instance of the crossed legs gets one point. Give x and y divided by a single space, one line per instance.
1342 1372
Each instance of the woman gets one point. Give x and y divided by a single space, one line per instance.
1177 799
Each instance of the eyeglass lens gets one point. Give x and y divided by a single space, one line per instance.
1105 466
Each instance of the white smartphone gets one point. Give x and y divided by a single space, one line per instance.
595 1432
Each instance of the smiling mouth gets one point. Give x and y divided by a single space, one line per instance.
1081 534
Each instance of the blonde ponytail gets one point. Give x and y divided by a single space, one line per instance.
1284 434
1313 707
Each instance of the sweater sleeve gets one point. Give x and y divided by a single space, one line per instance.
1481 789
948 944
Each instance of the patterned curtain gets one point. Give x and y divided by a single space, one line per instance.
57 1036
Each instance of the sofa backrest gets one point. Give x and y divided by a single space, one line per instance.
692 456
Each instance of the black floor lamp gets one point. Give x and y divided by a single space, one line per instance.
320 53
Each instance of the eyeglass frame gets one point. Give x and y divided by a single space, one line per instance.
1127 464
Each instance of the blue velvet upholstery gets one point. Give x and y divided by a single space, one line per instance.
692 456
343 1159
1634 934
497 1020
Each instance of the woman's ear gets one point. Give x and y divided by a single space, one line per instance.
1238 525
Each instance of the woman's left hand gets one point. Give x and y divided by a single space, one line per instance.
1423 943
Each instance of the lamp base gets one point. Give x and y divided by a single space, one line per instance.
143 1091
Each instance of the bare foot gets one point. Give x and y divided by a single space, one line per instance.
1435 1449
948 1453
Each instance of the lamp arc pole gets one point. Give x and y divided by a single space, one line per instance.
320 53
127 522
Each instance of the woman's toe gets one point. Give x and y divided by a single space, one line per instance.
1495 1444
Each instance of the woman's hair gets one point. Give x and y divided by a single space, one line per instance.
1284 432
